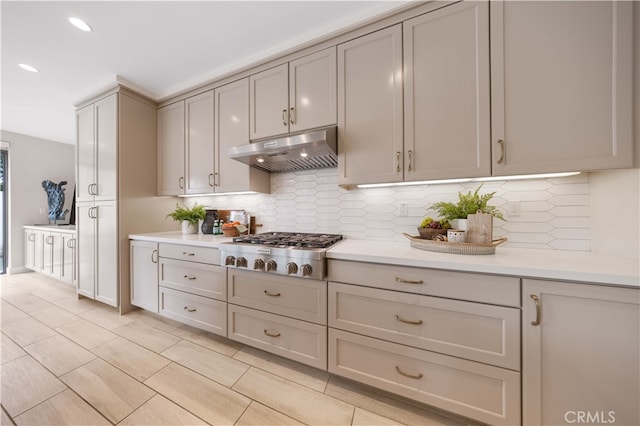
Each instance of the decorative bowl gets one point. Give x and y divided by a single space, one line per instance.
429 233
230 231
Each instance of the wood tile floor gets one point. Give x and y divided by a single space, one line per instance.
74 361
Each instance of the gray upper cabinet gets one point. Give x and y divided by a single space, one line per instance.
199 144
170 143
446 93
232 129
561 82
97 154
292 97
370 108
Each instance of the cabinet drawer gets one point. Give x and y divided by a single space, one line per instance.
479 391
190 253
495 289
484 333
293 297
197 278
294 339
198 311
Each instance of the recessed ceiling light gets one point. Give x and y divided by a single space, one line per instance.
79 24
28 67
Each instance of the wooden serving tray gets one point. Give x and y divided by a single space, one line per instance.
455 248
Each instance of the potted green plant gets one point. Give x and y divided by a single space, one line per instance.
188 217
469 203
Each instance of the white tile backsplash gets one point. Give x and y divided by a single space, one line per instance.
554 213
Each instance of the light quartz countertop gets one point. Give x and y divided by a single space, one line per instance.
526 263
177 237
564 265
57 228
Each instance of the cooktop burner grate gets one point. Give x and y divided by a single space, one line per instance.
290 239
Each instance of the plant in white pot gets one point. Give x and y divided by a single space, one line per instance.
188 217
469 203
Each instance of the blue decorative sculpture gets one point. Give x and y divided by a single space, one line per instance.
55 199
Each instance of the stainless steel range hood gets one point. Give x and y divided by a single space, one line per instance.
312 150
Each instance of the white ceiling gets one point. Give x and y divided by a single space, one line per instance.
162 47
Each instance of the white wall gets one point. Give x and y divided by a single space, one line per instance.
32 160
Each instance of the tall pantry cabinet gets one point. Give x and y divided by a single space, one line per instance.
116 193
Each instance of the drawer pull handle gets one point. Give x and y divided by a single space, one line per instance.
184 253
408 321
271 294
538 309
190 309
190 277
411 376
402 280
270 334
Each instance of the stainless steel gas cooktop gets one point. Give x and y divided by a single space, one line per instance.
285 253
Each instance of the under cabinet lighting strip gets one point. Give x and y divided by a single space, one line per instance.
465 180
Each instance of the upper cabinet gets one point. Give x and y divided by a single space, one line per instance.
96 130
232 129
445 108
370 108
198 146
292 97
194 136
446 93
561 82
185 146
170 143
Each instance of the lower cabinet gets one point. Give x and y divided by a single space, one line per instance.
98 275
144 275
68 268
479 391
193 291
283 315
300 341
197 311
405 330
51 252
581 361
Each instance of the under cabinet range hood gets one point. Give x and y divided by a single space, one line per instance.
311 150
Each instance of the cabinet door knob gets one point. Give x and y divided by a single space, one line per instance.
271 294
211 184
398 162
190 309
292 115
284 117
536 300
190 277
154 256
410 168
181 182
502 147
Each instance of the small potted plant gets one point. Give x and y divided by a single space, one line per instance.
467 204
429 227
188 217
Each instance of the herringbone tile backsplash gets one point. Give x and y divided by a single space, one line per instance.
554 213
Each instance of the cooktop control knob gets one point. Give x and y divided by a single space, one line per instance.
258 264
306 270
230 261
292 268
271 265
241 262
